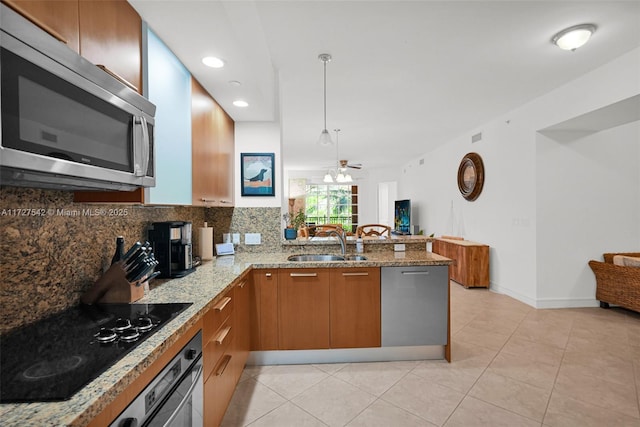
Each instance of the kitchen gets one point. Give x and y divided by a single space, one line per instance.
53 241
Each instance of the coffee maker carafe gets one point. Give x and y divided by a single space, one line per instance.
171 241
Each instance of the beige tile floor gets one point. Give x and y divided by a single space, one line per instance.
512 365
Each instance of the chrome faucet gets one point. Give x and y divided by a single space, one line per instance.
342 237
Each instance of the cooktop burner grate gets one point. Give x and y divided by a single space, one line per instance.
53 358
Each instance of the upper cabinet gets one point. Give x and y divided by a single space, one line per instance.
212 132
169 88
107 33
58 18
111 37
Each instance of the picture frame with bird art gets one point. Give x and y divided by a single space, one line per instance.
257 174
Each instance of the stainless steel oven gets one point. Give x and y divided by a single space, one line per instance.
174 397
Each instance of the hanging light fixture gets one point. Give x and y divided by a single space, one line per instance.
325 137
340 176
573 37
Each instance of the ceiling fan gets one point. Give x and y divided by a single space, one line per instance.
340 173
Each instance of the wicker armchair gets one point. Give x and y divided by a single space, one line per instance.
616 284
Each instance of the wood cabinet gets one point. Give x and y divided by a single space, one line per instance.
264 310
218 333
212 136
242 296
111 36
303 308
355 307
471 261
58 18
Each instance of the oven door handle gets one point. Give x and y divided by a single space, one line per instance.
186 397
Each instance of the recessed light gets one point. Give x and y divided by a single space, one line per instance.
213 62
573 37
235 83
240 103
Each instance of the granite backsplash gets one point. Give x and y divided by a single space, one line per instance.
52 249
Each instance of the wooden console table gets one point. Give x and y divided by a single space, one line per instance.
471 261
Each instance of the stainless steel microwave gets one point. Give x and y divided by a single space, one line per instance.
65 123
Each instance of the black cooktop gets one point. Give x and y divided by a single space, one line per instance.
53 358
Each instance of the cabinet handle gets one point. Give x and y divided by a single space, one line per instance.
39 23
226 201
268 274
222 304
303 274
222 335
415 273
355 274
207 200
241 284
223 365
116 76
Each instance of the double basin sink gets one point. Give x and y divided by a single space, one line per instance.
325 257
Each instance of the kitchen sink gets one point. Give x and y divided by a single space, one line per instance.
316 257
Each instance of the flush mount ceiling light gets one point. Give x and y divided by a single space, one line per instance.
240 103
325 138
573 37
213 62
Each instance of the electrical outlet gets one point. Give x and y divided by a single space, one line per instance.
236 238
399 247
252 238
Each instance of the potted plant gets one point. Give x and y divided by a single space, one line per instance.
293 223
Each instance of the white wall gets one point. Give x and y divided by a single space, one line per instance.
258 137
588 203
505 216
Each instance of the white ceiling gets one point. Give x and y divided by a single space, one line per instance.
406 76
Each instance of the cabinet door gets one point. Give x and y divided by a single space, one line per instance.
264 310
241 312
58 18
212 152
303 309
355 307
111 36
170 90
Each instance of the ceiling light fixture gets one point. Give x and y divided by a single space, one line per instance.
240 103
325 138
341 177
213 62
573 37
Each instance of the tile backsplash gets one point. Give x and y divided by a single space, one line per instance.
52 250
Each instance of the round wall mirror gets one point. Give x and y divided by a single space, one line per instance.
471 176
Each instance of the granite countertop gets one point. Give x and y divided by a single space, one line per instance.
202 288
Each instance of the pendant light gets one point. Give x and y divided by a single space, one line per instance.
340 177
325 137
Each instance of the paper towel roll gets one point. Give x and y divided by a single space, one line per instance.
205 242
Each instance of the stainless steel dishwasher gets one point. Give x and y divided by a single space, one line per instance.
415 301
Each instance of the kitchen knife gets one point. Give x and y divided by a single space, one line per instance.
131 251
136 270
137 257
144 272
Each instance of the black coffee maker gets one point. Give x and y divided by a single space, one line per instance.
171 241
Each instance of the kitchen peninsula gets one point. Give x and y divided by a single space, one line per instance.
206 288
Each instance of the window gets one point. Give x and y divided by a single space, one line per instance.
332 204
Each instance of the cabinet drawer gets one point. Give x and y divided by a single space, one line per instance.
218 390
214 318
219 344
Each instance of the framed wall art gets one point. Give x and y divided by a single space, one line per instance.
257 174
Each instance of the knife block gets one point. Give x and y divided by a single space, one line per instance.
113 287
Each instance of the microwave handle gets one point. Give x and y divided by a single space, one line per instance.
141 147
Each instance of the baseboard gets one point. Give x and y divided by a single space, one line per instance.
546 302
